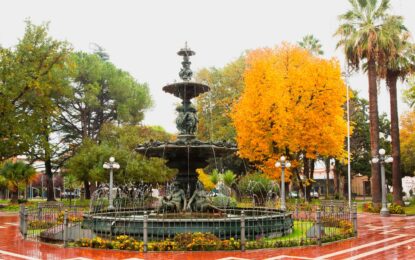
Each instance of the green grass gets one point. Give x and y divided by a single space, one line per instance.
9 207
410 210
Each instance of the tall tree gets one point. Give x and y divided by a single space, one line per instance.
291 104
312 44
363 36
214 107
399 63
34 75
99 94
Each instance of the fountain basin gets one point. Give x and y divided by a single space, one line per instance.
258 223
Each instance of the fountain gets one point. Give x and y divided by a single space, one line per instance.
186 207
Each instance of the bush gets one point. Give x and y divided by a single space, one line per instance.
71 218
369 207
389 197
39 224
255 184
197 241
393 208
21 201
396 209
222 201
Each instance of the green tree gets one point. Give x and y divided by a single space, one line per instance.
312 44
214 107
100 93
16 174
29 73
364 37
120 141
34 75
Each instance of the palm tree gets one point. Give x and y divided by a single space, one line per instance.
363 36
398 64
16 174
312 44
70 183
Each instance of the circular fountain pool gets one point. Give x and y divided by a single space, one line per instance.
259 222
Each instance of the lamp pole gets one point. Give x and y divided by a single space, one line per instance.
111 165
283 164
382 159
349 178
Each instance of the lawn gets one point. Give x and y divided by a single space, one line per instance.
8 207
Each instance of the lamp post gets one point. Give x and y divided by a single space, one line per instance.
283 164
111 165
382 159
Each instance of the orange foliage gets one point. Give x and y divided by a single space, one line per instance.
292 100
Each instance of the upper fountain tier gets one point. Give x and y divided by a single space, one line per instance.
186 90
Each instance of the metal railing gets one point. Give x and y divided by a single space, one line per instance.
237 228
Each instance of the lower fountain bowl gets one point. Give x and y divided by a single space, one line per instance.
258 222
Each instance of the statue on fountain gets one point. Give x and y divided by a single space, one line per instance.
175 201
199 201
187 119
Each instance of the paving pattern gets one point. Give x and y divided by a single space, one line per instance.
378 238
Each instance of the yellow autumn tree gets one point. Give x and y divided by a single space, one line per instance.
407 137
292 104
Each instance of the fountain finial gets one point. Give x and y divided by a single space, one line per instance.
185 72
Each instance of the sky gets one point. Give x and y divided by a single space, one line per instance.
143 37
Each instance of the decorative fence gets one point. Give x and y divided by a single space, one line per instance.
234 228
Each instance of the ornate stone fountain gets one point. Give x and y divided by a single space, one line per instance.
187 153
186 207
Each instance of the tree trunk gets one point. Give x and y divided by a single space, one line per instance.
336 181
87 190
307 176
15 195
300 182
391 80
374 132
312 165
48 171
327 163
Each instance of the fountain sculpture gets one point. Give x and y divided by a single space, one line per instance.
186 207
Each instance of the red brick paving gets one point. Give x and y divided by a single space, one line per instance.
11 241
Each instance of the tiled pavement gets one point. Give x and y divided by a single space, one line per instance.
378 238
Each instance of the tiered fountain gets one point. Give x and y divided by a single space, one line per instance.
187 153
186 208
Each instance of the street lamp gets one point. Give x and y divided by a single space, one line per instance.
283 164
382 159
111 165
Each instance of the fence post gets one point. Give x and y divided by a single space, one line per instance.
65 228
354 218
318 225
243 241
25 222
39 212
145 231
296 208
21 219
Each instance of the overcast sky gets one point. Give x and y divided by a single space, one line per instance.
142 37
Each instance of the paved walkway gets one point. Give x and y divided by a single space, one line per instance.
379 238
